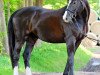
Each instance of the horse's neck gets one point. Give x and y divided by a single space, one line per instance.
80 21
61 10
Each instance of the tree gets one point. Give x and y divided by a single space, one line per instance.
30 2
3 28
26 3
39 3
8 11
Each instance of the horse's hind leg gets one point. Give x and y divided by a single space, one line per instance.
26 55
16 55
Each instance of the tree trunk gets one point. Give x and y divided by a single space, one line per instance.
39 3
3 28
23 3
30 2
8 11
26 3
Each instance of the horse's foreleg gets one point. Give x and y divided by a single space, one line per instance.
26 55
77 44
69 69
16 55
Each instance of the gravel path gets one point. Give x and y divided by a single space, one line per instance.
76 73
94 63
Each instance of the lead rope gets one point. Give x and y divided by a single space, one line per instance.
92 38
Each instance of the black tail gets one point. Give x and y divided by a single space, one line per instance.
11 38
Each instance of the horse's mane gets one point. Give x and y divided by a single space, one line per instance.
86 12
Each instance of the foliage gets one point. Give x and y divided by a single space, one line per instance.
2 34
55 4
5 65
14 4
95 4
47 58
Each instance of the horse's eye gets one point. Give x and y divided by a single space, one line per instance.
75 2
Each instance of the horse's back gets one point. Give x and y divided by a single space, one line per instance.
23 19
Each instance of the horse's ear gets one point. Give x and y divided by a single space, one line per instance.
86 12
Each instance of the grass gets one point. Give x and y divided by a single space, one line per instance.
47 58
5 66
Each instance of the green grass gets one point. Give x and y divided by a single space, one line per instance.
47 58
5 66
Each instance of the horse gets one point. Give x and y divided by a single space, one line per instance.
68 24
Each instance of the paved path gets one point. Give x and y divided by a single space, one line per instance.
94 63
76 73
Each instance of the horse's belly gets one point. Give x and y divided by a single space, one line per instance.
51 36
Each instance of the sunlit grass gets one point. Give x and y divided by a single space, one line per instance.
49 6
82 57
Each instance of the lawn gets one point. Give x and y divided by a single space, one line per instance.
47 58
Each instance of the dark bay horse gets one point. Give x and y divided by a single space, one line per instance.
66 25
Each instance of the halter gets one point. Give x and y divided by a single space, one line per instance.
73 11
70 11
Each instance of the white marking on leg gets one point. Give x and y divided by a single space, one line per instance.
15 70
28 71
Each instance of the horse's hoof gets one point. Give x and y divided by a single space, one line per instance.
28 71
65 74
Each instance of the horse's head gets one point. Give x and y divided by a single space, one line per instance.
74 8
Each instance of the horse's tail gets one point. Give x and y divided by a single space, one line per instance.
11 38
